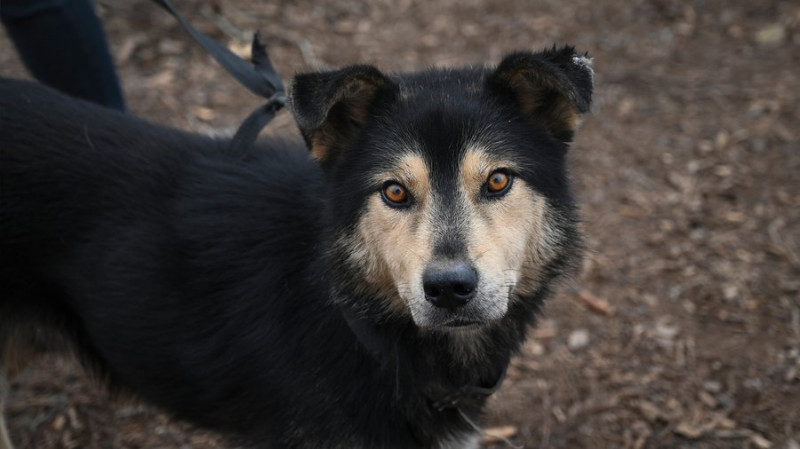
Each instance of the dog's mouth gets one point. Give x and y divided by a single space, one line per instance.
459 325
462 323
478 314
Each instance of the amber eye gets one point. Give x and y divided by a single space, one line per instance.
498 182
394 194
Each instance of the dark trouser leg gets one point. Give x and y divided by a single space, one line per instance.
63 45
5 442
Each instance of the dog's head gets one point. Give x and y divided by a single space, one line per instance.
447 192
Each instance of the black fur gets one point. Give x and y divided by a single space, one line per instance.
208 285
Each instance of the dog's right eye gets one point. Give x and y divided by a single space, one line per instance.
394 194
498 183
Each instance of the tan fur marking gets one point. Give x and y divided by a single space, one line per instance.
322 140
528 97
562 113
507 237
318 151
567 114
392 246
358 97
412 172
355 98
475 168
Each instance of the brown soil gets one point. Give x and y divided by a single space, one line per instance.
683 327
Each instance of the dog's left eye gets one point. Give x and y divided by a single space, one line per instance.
498 183
395 194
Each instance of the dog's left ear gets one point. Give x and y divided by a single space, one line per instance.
331 107
552 87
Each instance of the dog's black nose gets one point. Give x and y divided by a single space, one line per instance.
450 285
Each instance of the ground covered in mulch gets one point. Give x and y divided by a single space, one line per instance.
683 326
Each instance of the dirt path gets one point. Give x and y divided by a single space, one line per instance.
689 176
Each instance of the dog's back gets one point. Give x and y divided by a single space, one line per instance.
126 237
58 182
91 183
52 195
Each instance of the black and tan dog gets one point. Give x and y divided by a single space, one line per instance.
368 296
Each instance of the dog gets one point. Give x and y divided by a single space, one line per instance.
365 288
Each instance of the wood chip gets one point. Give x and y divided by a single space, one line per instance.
58 423
707 399
128 47
559 415
545 332
594 303
496 435
760 442
689 431
649 411
771 35
161 79
73 419
203 113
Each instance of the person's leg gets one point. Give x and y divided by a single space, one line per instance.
63 45
5 441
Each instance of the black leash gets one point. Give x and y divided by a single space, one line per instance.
259 77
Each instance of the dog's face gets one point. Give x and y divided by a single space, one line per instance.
448 198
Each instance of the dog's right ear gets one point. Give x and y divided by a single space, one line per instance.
330 107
